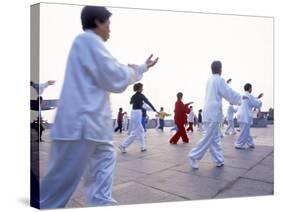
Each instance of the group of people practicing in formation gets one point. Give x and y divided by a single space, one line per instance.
82 141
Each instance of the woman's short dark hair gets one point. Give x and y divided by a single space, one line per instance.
91 14
247 87
179 95
137 86
216 67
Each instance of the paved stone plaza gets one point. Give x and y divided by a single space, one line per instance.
162 173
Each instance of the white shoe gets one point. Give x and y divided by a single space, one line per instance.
193 163
122 149
252 146
219 164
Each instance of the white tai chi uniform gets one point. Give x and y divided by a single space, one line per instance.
191 120
82 131
137 131
216 89
230 130
244 116
125 123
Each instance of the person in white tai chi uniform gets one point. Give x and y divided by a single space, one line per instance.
82 131
216 90
244 116
230 130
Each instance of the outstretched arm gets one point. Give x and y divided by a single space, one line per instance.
148 102
229 94
51 82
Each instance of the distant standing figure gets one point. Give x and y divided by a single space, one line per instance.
136 129
125 122
120 120
190 120
230 130
245 118
144 118
38 123
161 115
180 117
200 124
216 90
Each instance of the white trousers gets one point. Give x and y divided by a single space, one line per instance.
230 127
200 127
244 137
136 130
68 161
211 140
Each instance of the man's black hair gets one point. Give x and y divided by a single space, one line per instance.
179 95
247 87
91 14
216 67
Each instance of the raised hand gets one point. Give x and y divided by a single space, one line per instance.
51 82
228 81
149 62
260 95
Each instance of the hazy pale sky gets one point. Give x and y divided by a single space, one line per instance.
186 44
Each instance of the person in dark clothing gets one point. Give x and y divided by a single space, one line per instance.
200 124
120 120
37 124
137 130
144 118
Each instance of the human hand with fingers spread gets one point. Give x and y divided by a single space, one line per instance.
149 62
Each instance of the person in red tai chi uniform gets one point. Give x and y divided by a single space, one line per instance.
181 111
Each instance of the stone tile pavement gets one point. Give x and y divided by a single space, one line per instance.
162 173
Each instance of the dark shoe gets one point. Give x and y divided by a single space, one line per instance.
252 146
122 149
239 147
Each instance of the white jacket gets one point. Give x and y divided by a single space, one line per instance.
244 113
84 105
217 89
190 117
230 112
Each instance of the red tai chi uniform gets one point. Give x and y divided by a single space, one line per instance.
181 111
